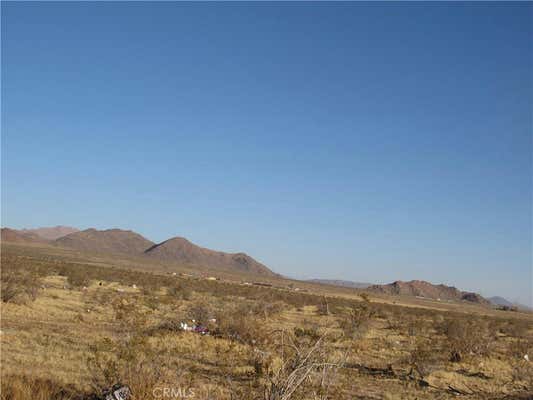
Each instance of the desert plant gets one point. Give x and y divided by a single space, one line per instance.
365 296
309 332
179 292
356 322
19 286
132 361
77 279
522 374
323 307
236 324
521 347
414 326
129 357
466 337
422 358
294 364
200 311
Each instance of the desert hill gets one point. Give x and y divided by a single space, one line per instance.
16 236
177 250
51 233
500 301
428 290
181 250
503 302
115 241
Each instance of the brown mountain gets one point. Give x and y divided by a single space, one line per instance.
108 241
181 250
428 290
52 233
178 250
16 236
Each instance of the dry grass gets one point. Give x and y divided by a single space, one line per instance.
88 327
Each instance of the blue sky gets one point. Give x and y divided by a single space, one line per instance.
369 142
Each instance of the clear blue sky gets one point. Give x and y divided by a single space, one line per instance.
350 141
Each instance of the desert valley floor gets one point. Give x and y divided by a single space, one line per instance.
76 323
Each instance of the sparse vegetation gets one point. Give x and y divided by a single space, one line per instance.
466 337
19 285
118 325
356 322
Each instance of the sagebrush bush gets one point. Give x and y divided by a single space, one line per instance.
423 357
179 292
200 311
311 332
356 322
239 324
76 277
521 347
466 337
19 286
129 357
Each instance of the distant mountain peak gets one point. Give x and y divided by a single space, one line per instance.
106 241
503 302
179 249
177 239
428 290
53 232
176 249
19 236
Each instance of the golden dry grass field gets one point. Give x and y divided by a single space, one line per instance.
74 324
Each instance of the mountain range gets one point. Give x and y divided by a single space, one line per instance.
181 251
502 302
116 241
51 233
16 236
427 290
129 243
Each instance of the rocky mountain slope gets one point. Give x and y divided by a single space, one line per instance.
178 250
16 236
500 301
503 302
181 250
428 290
115 241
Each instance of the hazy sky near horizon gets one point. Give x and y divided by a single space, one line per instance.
367 142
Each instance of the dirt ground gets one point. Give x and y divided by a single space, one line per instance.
78 324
